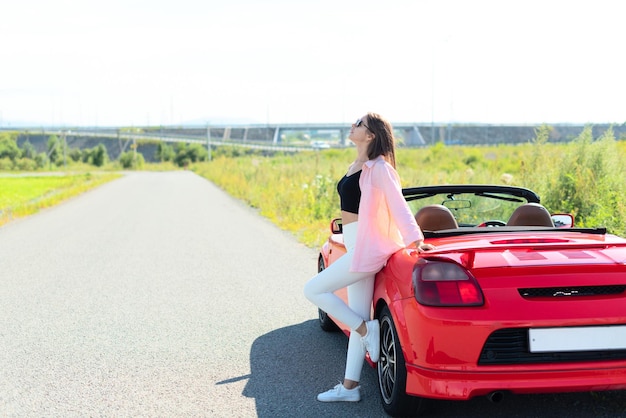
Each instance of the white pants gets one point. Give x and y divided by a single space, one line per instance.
360 286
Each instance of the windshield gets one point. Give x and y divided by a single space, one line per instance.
471 209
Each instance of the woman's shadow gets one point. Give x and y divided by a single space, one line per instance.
291 365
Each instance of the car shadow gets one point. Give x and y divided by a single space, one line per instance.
290 365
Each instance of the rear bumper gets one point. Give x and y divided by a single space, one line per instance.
443 350
466 385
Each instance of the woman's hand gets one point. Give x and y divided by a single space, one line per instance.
421 247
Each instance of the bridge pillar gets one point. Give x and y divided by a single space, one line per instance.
342 137
276 138
413 137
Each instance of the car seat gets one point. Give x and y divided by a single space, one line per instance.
531 214
435 218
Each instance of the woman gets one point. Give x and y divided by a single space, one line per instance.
377 222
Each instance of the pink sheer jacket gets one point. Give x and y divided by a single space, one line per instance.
386 223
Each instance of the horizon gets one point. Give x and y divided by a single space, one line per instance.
295 126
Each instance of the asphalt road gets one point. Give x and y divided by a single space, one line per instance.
158 295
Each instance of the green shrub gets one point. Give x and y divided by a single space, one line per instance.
472 160
55 150
227 151
164 152
190 153
28 150
26 164
6 164
75 155
8 147
132 160
588 182
41 160
99 156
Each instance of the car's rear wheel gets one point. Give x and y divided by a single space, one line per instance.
392 372
326 323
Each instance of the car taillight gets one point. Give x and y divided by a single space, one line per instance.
442 283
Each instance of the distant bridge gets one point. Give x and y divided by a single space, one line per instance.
272 136
253 135
125 138
410 132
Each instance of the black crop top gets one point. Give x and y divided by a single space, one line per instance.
350 192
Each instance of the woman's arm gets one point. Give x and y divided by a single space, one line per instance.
386 179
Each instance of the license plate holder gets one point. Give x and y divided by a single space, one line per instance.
591 338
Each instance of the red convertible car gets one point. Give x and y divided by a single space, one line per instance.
513 299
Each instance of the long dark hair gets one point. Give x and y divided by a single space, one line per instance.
383 142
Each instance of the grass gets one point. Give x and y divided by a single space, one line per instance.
297 192
585 177
25 195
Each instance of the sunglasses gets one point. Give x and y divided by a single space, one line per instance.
359 122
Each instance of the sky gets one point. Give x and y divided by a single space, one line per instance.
177 62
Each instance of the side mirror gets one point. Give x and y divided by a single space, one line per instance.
336 226
563 220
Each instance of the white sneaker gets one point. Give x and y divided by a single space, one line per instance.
340 394
371 340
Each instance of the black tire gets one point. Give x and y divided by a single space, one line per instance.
326 323
392 373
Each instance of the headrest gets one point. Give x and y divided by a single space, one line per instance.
435 218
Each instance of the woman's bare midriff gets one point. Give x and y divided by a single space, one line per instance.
348 217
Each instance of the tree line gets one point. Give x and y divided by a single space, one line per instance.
25 157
